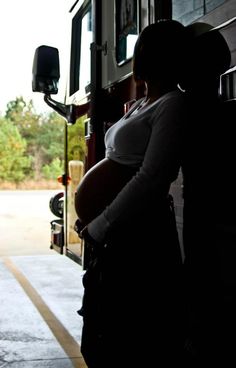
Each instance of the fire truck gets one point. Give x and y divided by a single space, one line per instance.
101 88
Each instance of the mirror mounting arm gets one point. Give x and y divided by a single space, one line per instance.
67 111
70 112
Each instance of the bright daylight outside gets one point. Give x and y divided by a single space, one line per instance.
39 319
31 133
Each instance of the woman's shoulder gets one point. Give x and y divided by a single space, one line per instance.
176 94
172 104
170 100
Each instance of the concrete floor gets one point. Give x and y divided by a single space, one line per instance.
39 324
25 222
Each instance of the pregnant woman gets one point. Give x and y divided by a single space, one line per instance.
132 305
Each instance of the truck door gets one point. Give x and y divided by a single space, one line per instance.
79 144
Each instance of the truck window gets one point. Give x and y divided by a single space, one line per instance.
80 50
147 13
186 11
126 29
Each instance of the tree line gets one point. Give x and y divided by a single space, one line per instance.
32 144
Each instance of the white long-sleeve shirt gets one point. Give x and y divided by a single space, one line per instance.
150 139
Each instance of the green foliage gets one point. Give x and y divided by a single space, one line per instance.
51 137
13 162
53 170
44 133
76 141
33 144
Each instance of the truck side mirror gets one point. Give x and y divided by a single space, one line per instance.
46 74
46 70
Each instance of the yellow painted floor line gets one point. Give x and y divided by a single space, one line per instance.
67 342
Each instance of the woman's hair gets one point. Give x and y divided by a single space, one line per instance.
159 51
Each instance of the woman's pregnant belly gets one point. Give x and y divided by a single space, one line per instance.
99 186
